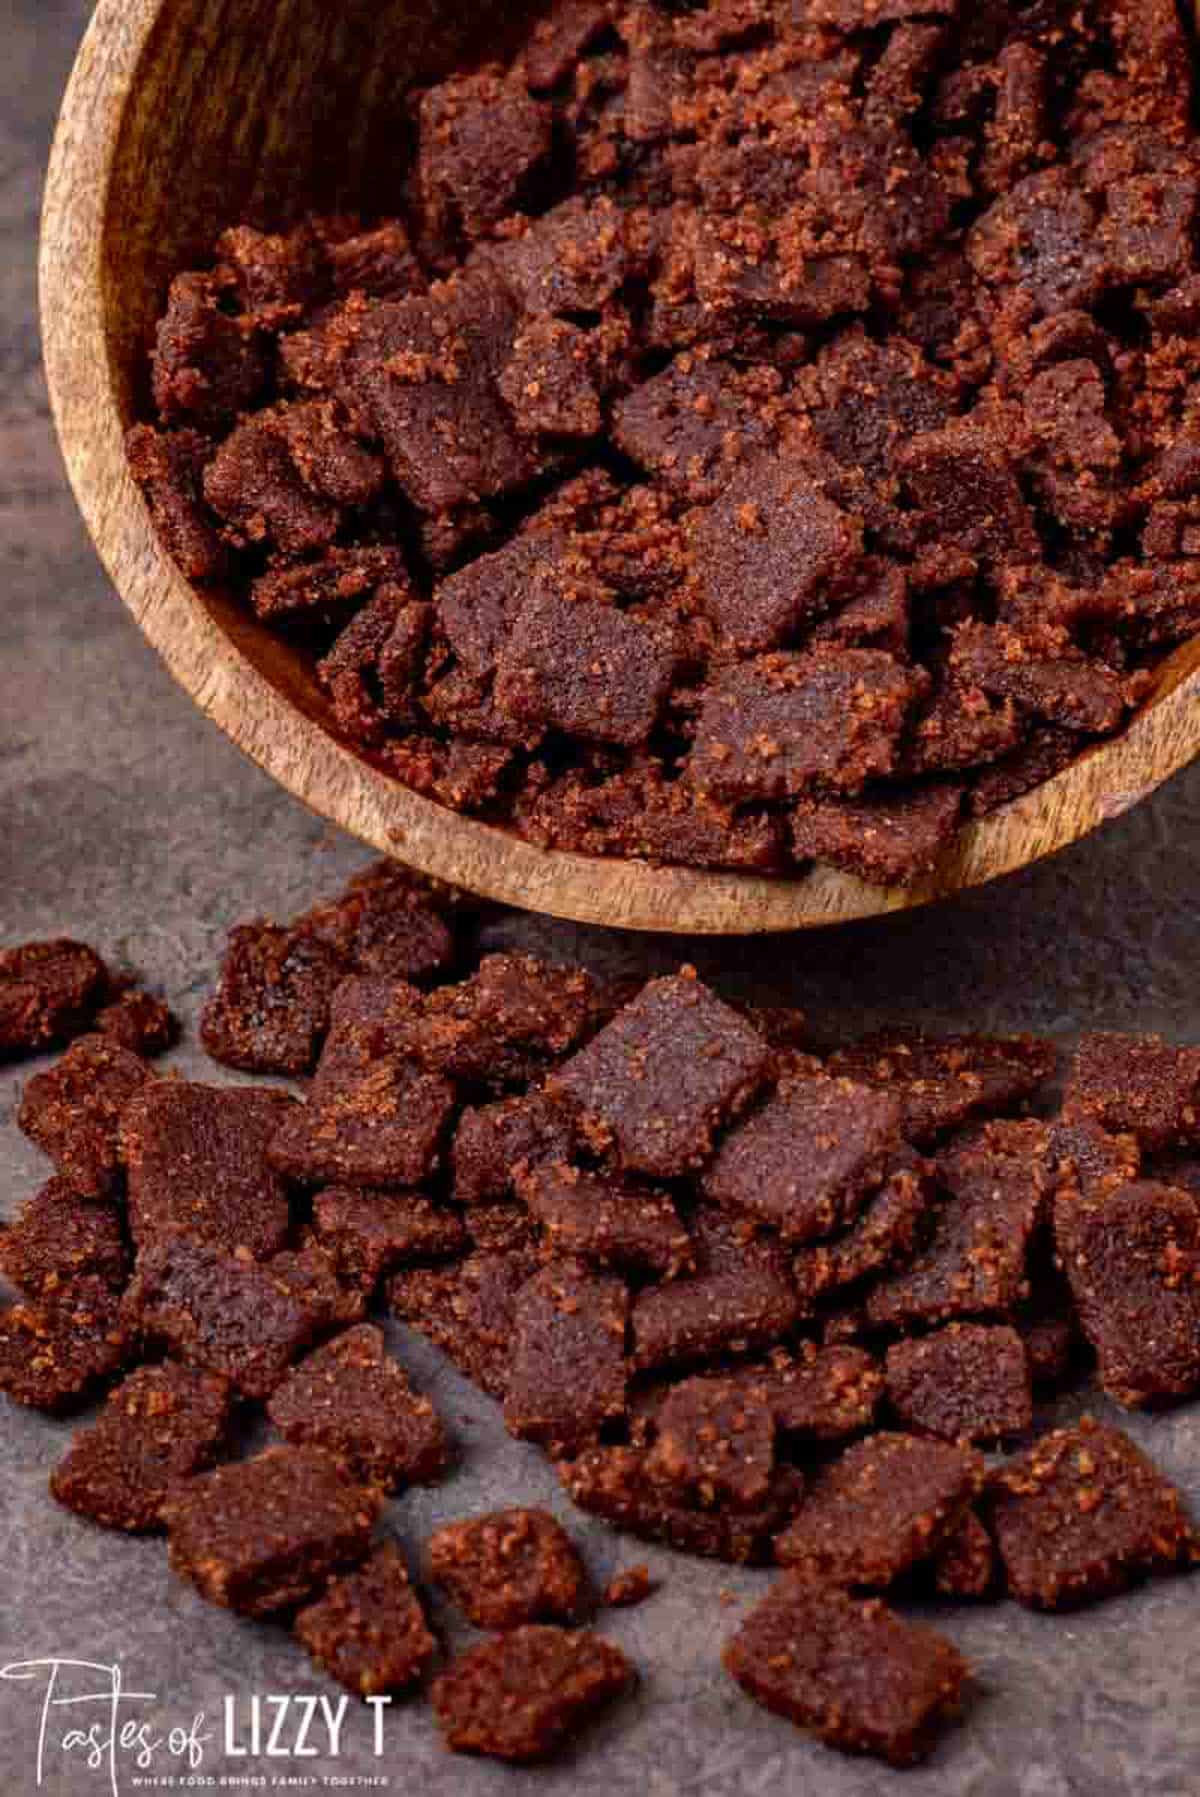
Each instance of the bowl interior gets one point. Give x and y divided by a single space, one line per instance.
185 115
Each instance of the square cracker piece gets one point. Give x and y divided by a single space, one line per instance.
740 1297
351 1398
48 990
966 1382
669 1070
509 1568
1132 1258
614 1483
783 725
261 1535
73 1111
196 1159
520 1696
886 1505
239 1317
270 1011
807 1162
771 553
1138 1084
374 1117
590 670
1084 1514
425 371
975 1263
367 1629
944 1081
57 1237
855 1673
162 1424
468 1310
715 1444
605 1221
569 1370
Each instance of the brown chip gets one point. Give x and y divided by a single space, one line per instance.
942 1082
367 1629
329 587
855 1673
481 138
379 262
1084 1514
714 1444
696 422
888 1503
614 1483
264 1534
284 479
468 1310
1132 1257
423 372
370 1234
1136 1084
229 1313
591 671
568 1371
55 1352
74 1110
270 1012
967 489
160 1425
48 991
372 1119
818 1394
169 467
739 1297
885 840
524 1695
1044 674
778 726
509 1568
966 1382
1091 1160
196 1159
606 1221
808 1161
886 1232
277 278
550 381
975 1262
58 1237
208 366
669 1069
574 258
557 41
138 1022
505 1025
310 1276
352 1399
772 553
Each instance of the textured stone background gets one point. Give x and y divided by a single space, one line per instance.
126 819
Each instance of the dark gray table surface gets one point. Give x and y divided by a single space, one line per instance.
126 819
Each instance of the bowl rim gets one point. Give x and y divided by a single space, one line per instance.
334 780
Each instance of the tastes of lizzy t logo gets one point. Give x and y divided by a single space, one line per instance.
88 1717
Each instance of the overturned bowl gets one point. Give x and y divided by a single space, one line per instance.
183 112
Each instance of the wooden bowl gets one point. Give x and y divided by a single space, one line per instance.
185 114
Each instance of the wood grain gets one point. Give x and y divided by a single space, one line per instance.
182 113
